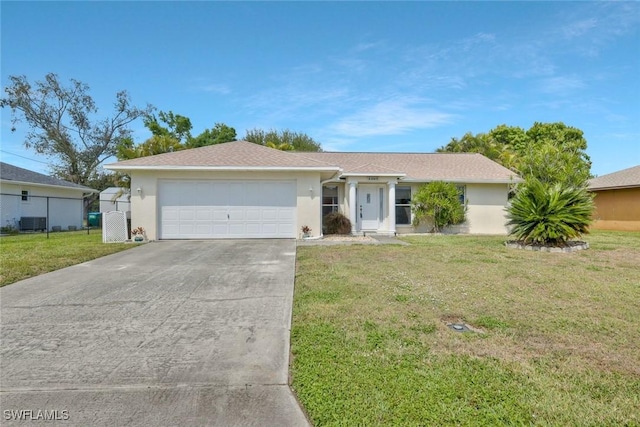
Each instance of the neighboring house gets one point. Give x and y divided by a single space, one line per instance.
28 198
109 201
617 200
244 190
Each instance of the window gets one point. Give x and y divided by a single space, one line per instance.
329 199
403 205
25 196
462 193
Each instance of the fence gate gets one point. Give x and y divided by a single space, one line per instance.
114 227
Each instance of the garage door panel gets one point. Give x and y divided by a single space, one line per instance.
204 213
237 229
219 214
187 228
170 213
186 213
203 228
253 229
220 229
269 214
286 215
253 214
226 209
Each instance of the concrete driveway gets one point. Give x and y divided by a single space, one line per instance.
165 334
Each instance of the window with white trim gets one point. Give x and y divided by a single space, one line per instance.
25 195
462 193
403 205
329 199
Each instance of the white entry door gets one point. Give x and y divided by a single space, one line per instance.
211 209
370 206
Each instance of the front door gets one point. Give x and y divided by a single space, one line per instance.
370 207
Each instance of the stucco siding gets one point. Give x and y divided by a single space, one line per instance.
617 209
486 208
65 206
485 214
144 205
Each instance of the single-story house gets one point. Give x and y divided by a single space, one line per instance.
617 200
115 199
33 201
244 190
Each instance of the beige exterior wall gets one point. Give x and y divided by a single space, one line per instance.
617 209
144 207
486 204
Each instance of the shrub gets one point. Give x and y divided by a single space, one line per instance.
9 229
549 213
437 202
337 223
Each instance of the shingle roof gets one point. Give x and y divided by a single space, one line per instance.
237 154
454 167
625 178
13 173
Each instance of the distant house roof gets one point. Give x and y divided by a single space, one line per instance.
625 178
108 193
14 174
243 155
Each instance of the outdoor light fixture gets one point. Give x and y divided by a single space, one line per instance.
311 190
139 190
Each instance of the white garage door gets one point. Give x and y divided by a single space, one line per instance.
226 209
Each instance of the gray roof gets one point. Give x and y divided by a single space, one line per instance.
625 178
454 167
10 173
235 154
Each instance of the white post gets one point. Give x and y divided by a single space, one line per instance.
353 206
392 207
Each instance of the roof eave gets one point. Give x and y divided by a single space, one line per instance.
63 187
614 187
468 181
116 167
396 175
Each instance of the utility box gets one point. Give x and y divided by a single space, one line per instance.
94 219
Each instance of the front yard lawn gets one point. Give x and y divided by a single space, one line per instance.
28 255
557 341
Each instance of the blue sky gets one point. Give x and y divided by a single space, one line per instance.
356 76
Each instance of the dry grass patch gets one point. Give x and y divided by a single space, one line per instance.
562 326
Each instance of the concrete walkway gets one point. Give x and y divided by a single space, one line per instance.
370 239
188 333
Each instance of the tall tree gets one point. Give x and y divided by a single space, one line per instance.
175 126
550 152
172 132
217 135
62 124
284 140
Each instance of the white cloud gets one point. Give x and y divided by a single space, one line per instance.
579 28
215 88
390 117
561 84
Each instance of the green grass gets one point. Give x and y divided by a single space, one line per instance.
29 255
558 339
